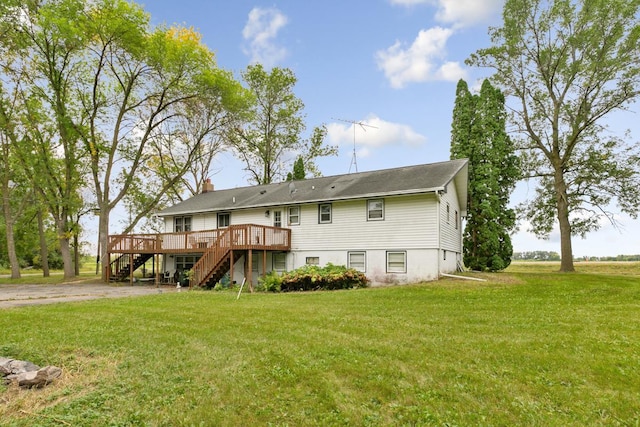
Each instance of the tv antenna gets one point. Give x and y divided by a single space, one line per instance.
354 161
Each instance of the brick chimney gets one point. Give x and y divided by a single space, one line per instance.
207 186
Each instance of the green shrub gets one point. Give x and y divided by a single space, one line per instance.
270 282
312 277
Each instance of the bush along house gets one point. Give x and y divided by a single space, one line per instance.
400 225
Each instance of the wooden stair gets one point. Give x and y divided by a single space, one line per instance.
214 263
121 266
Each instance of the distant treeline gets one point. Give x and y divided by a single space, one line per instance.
554 256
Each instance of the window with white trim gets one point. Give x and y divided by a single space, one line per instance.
357 261
324 213
184 263
224 220
181 224
312 260
279 261
277 219
375 210
396 262
294 215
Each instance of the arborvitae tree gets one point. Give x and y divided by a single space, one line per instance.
479 134
298 170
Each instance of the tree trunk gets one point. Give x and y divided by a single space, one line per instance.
566 251
65 251
103 235
11 245
44 250
11 250
76 254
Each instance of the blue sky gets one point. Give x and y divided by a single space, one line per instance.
391 64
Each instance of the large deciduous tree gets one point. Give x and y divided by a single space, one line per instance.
479 134
568 65
114 85
271 139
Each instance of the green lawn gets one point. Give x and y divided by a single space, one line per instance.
525 348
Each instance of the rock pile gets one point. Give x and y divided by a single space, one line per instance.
26 374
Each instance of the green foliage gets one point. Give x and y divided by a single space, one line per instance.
329 277
298 170
479 134
569 65
270 282
272 133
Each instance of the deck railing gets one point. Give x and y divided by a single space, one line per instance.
243 236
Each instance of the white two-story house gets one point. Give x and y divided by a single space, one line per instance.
400 225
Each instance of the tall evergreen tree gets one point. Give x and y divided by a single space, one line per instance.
298 170
479 134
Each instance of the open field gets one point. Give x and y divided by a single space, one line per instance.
528 347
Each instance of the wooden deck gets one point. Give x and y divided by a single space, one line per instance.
243 237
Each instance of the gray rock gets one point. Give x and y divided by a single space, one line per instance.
39 378
5 369
21 366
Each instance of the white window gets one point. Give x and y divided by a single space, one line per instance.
397 262
181 224
294 215
312 260
224 220
324 213
375 210
184 263
357 260
279 261
277 219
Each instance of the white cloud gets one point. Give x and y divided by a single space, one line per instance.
261 31
375 133
459 13
420 62
464 13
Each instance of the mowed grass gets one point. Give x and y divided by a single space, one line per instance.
523 348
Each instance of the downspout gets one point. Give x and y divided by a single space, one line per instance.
439 223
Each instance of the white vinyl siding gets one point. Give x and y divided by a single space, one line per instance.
450 229
410 222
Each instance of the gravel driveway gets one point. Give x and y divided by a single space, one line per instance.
22 295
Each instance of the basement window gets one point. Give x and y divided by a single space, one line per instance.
357 261
312 260
279 261
396 262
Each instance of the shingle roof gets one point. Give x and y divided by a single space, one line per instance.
404 180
